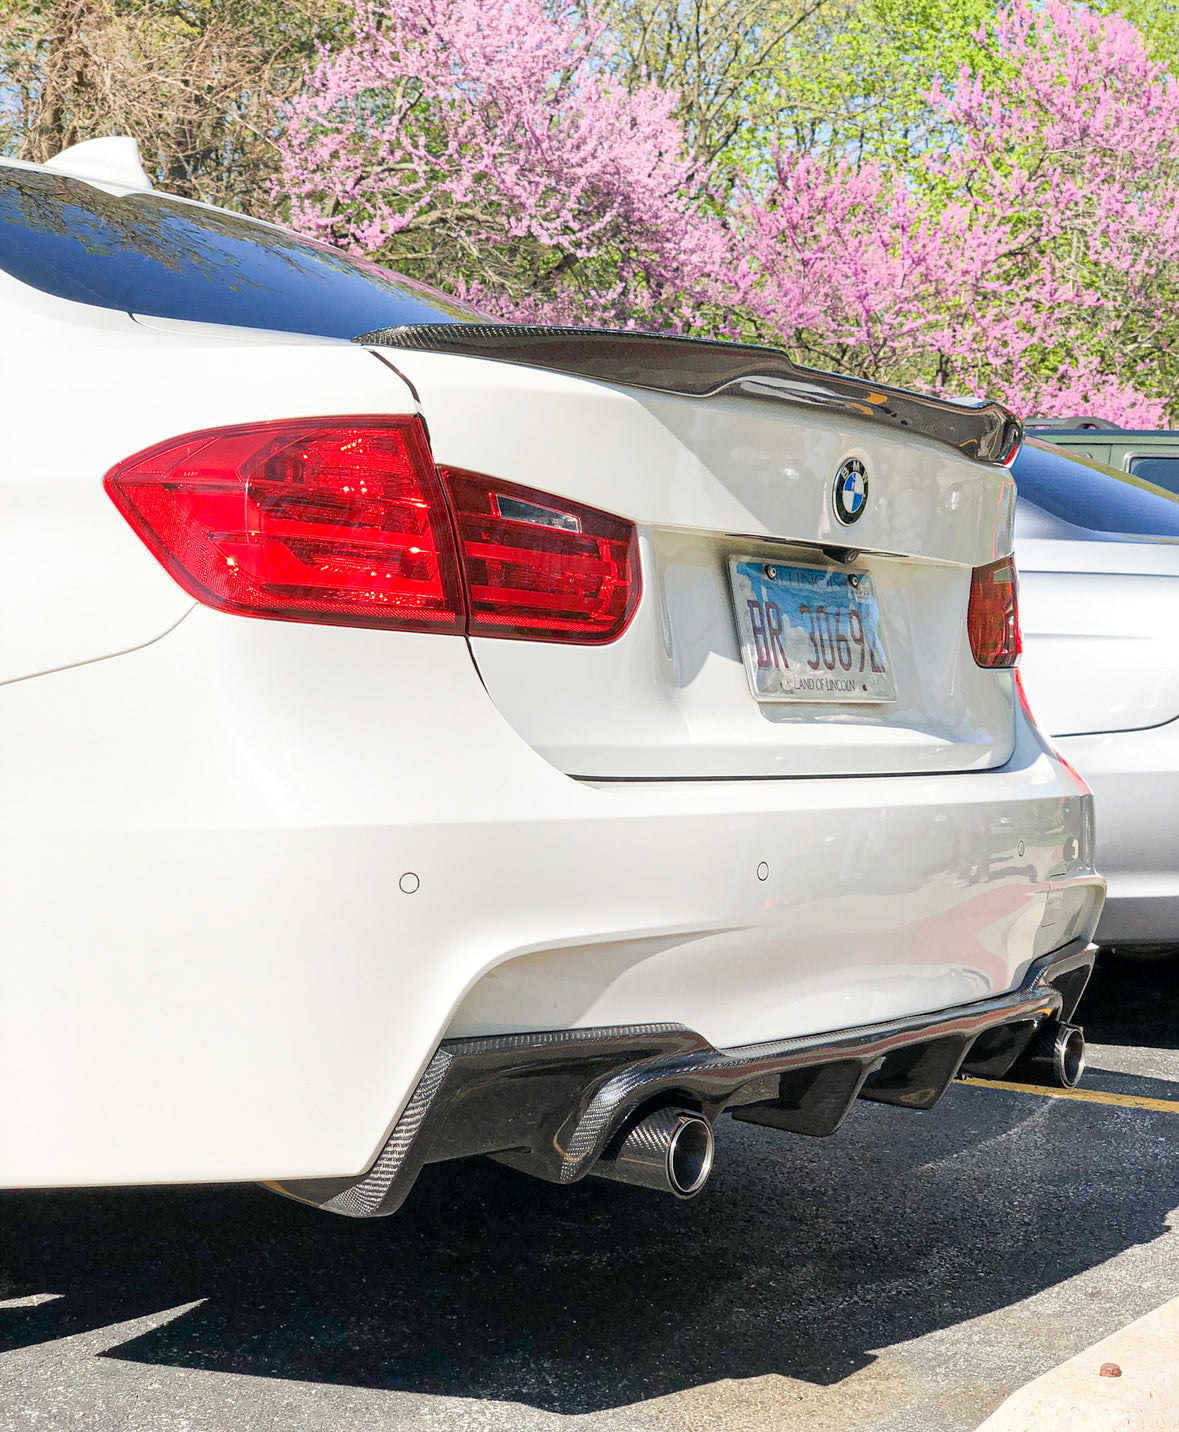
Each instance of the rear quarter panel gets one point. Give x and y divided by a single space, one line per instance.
1101 634
82 388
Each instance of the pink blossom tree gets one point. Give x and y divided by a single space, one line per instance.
1035 259
488 146
485 145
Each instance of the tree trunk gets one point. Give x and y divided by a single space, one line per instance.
66 81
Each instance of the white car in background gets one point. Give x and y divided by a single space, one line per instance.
484 740
1098 557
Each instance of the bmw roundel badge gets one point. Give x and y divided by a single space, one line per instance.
849 493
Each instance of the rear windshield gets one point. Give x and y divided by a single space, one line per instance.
1161 471
1086 493
150 254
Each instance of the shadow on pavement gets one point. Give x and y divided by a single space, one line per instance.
1132 1000
802 1257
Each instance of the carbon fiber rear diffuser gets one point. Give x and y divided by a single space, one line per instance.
551 1102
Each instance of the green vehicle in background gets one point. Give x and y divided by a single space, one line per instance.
1148 455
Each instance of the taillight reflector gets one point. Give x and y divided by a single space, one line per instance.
346 521
539 566
992 618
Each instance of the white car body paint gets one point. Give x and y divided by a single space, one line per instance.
1101 670
1101 630
709 479
211 969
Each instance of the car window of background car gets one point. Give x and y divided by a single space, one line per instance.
1157 469
149 254
1090 495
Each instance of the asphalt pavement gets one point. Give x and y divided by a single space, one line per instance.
904 1275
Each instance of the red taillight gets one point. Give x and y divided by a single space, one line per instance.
347 522
992 619
539 566
308 521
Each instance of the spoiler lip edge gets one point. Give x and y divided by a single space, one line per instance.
982 430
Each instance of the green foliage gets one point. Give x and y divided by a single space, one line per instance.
855 84
713 55
1158 20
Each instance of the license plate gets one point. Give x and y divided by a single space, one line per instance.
810 633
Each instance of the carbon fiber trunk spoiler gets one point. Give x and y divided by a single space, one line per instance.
702 368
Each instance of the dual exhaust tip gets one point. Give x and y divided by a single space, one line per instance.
671 1150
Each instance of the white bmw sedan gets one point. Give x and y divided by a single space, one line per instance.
1098 554
425 737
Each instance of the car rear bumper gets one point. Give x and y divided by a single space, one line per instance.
255 873
1135 780
552 1103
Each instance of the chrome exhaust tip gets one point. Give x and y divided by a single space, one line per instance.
671 1150
1056 1055
1068 1055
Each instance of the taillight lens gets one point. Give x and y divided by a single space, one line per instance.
539 566
993 616
308 521
347 522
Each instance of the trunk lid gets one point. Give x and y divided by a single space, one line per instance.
716 479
